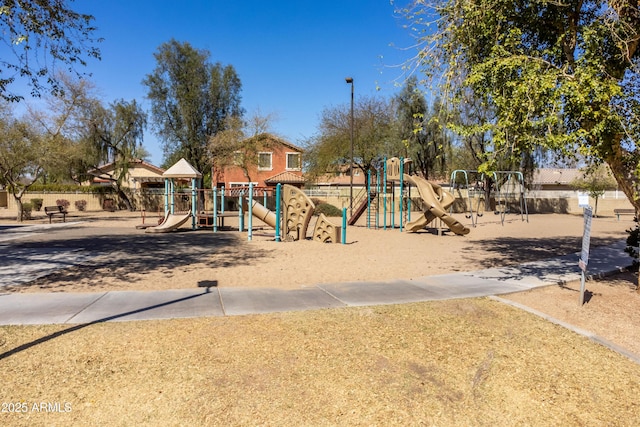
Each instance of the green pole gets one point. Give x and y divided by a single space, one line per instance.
378 197
401 189
369 198
222 200
215 210
384 178
194 202
240 212
344 226
278 215
250 215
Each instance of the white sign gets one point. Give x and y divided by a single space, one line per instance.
583 200
586 238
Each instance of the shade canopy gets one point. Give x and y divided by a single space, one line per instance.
182 169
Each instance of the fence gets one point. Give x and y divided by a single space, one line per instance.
153 200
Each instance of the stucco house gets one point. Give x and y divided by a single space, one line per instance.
140 175
278 162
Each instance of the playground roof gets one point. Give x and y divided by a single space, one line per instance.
182 169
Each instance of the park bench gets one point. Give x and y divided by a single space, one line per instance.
56 210
621 211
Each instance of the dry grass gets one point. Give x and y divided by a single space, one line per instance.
463 362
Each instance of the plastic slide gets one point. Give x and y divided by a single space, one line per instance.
437 201
263 214
170 223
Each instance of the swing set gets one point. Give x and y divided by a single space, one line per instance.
506 187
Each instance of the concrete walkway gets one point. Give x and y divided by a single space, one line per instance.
82 308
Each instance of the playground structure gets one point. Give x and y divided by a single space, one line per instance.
433 200
437 202
293 209
291 216
175 218
506 190
294 216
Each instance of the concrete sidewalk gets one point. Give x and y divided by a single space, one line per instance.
82 308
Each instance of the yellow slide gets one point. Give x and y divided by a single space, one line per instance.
171 222
263 214
437 201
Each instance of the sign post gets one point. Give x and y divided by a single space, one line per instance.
584 255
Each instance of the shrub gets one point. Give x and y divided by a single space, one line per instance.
27 207
81 205
71 188
327 209
37 204
63 202
633 240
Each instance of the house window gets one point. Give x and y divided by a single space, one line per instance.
241 184
293 161
264 161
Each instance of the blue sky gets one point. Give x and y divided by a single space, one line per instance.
292 56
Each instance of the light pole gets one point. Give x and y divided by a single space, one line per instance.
350 80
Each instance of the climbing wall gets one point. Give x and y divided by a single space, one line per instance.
298 209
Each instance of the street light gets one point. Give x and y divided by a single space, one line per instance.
350 80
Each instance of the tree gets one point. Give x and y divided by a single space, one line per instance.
114 135
91 133
595 181
562 75
374 137
40 35
423 132
241 141
25 154
191 100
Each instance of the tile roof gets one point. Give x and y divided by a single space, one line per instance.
285 178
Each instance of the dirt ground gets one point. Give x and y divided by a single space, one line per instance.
127 258
469 362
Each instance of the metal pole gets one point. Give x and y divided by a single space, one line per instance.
401 190
240 212
384 189
350 80
344 226
377 198
194 202
250 215
215 210
369 199
222 200
278 215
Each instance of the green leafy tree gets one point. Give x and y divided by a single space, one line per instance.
562 75
191 100
375 137
25 154
595 181
38 36
423 131
92 134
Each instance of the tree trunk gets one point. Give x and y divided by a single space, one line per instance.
123 196
19 205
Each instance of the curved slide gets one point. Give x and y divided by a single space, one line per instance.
437 201
170 223
263 214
